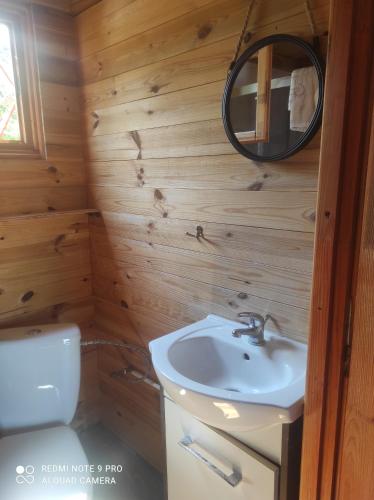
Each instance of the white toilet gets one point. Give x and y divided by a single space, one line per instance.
41 457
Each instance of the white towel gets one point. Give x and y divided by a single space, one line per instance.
303 98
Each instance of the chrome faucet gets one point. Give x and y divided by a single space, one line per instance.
255 328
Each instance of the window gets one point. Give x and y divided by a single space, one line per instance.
9 116
20 114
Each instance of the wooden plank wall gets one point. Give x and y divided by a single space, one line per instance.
45 269
57 182
78 6
160 166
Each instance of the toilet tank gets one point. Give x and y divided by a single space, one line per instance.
39 376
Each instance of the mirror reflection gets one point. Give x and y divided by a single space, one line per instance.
274 99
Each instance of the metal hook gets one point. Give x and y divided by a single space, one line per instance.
199 233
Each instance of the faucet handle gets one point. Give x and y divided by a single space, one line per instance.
253 317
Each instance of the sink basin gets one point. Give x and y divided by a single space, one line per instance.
228 383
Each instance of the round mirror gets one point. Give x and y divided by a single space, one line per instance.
272 104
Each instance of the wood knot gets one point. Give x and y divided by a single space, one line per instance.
52 169
158 195
27 296
242 295
124 304
155 89
204 31
114 92
233 304
247 37
256 186
312 216
60 238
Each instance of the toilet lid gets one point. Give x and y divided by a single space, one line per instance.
44 465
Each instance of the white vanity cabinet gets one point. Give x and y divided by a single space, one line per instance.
204 463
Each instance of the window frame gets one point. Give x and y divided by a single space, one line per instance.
19 19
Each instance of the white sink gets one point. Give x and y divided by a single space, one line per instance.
227 382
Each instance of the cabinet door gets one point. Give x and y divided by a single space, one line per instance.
206 464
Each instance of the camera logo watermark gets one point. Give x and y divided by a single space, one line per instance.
25 474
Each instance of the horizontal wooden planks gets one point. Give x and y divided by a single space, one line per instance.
282 285
197 67
190 139
202 138
45 174
20 296
223 172
49 267
43 228
41 199
123 324
78 6
213 22
45 268
148 397
188 227
186 300
127 421
285 249
59 5
185 106
126 19
57 182
59 257
278 210
78 311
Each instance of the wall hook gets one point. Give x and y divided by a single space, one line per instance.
199 233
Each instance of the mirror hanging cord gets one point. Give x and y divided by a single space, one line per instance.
309 15
242 35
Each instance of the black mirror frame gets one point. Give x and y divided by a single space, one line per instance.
317 119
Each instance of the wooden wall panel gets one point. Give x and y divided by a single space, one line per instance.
45 268
59 5
59 180
78 6
160 166
45 277
278 210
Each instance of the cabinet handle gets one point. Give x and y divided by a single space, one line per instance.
233 479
